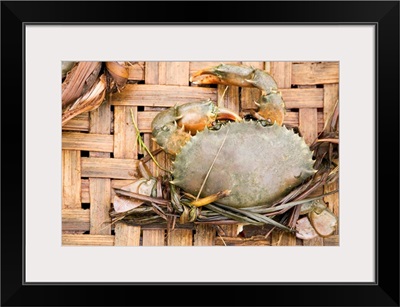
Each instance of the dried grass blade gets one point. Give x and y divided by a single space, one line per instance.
229 214
212 164
257 217
158 201
286 205
143 145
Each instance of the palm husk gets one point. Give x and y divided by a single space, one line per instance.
88 102
79 81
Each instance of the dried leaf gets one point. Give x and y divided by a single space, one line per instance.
304 229
142 186
323 220
184 218
123 203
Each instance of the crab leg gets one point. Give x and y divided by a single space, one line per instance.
271 107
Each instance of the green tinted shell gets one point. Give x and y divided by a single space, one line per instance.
258 164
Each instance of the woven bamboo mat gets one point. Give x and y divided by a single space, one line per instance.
99 150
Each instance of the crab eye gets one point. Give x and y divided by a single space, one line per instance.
165 128
266 122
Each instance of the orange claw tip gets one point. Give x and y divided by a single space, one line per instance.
205 71
226 114
205 80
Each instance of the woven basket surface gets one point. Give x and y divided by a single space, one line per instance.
100 150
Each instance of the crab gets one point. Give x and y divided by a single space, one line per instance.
258 162
220 158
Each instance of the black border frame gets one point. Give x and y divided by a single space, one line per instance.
383 14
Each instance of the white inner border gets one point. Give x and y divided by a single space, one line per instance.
48 261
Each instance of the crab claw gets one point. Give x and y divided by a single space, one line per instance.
271 108
237 75
170 137
197 116
263 81
224 74
271 105
172 128
226 114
